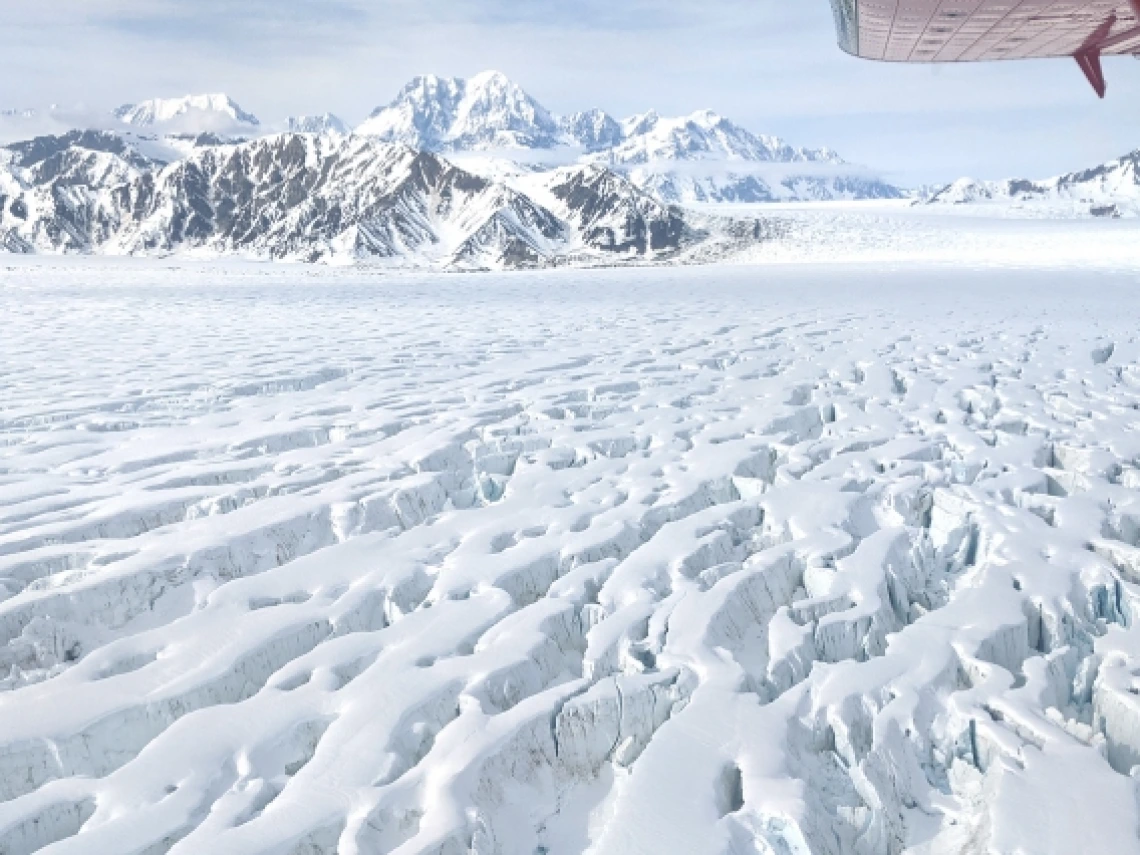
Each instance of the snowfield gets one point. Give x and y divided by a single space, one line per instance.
773 560
902 232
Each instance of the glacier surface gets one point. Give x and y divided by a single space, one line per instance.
783 560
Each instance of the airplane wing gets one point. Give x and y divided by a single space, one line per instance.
980 30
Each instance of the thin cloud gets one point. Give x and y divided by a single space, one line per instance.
306 25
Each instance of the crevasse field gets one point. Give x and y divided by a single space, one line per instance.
768 560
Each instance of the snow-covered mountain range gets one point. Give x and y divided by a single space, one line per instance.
703 157
313 197
452 173
498 130
490 112
1109 190
468 173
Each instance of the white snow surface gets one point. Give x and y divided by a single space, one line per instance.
894 232
701 136
780 560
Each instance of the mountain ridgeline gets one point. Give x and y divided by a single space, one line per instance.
702 157
1109 190
314 197
452 173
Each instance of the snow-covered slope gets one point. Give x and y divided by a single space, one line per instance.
692 562
321 197
1109 190
735 182
707 158
703 136
698 158
61 193
721 182
192 114
35 152
608 211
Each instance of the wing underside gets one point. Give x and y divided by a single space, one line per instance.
979 30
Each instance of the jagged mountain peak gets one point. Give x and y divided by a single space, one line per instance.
496 110
593 129
611 212
490 80
489 112
77 145
706 118
425 88
486 111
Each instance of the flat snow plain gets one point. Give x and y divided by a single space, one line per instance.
892 232
755 560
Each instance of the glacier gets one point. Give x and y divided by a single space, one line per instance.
786 559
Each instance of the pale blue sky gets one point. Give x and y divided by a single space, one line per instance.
771 65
